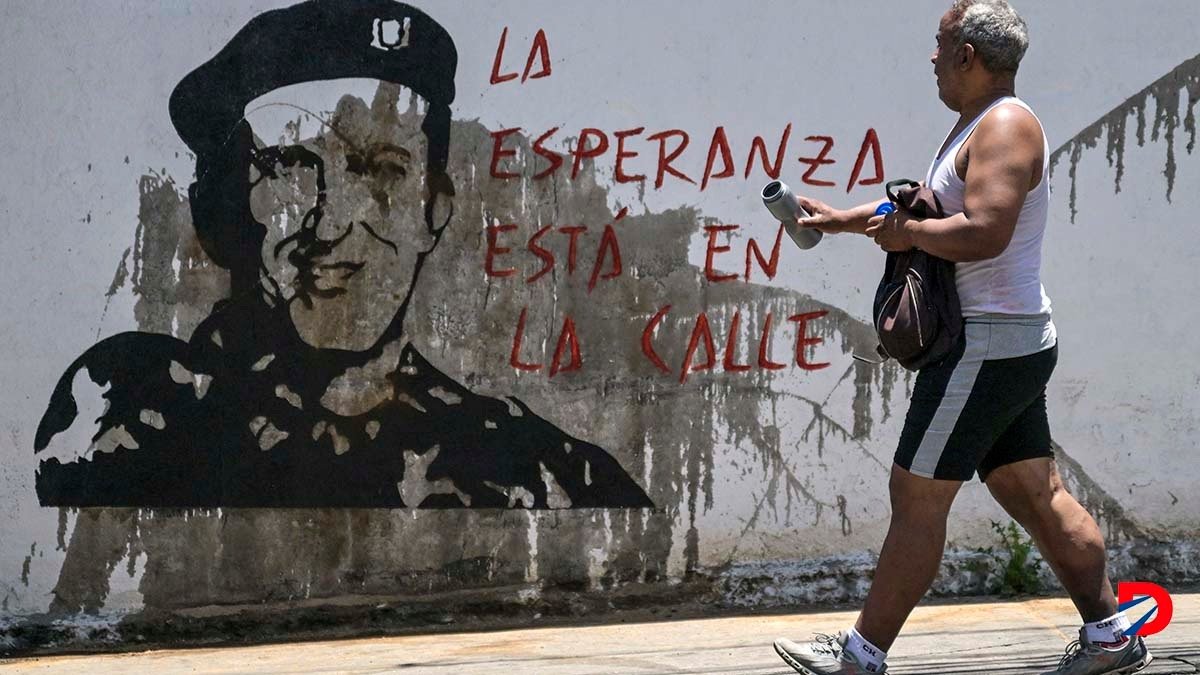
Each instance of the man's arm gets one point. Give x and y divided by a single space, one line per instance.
830 220
1005 150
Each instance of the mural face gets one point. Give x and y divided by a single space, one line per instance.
300 389
342 199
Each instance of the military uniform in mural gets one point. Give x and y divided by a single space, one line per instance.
232 420
301 389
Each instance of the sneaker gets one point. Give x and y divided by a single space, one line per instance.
1085 658
823 656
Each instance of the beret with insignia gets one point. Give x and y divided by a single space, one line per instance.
314 40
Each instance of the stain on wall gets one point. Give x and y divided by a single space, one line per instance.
662 432
1180 87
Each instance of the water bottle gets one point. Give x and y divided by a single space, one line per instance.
782 204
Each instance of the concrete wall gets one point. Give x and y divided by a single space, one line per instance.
768 486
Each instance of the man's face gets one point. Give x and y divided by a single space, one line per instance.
341 189
946 58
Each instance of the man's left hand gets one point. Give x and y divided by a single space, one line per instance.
892 232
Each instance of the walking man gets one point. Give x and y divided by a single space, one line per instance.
983 408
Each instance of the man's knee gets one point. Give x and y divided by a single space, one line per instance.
1026 489
917 497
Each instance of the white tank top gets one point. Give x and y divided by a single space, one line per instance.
1010 283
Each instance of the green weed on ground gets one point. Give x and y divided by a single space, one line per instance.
1015 569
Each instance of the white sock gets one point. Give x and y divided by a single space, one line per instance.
868 655
1109 632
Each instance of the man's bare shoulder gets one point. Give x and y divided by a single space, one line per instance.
1009 123
1009 136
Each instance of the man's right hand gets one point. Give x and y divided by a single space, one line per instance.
822 216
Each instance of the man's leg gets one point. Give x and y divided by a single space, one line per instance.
911 554
950 423
908 563
1032 492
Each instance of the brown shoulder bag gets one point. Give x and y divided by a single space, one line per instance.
917 314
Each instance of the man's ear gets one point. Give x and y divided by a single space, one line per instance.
966 56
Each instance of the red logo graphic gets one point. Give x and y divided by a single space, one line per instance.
1130 593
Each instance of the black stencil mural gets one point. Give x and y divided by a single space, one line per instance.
300 389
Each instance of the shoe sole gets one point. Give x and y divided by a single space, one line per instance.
1132 668
787 658
1135 668
1127 670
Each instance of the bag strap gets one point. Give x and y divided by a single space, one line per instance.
883 356
890 188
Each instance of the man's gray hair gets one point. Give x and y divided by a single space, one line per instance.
995 30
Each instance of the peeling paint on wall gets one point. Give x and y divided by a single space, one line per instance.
1168 93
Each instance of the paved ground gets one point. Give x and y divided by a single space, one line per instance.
986 638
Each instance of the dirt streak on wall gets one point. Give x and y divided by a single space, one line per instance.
1168 93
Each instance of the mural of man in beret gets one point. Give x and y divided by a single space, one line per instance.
301 389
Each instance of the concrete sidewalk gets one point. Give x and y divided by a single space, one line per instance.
996 638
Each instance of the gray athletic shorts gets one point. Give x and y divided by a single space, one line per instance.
973 412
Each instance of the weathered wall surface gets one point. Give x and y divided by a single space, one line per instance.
540 388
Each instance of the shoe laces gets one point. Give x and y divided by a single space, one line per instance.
1075 651
827 644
